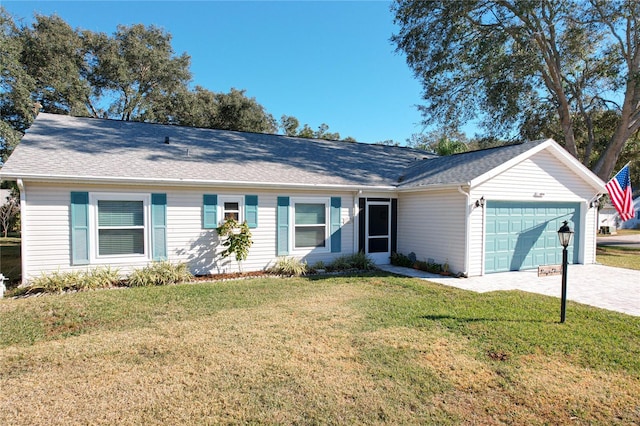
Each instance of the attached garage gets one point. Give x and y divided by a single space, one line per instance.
499 209
523 235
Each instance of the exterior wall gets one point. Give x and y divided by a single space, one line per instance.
542 177
46 228
431 224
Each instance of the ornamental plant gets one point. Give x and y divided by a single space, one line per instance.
237 239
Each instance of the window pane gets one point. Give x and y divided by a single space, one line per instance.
378 220
378 245
231 206
120 213
310 214
231 215
309 236
120 241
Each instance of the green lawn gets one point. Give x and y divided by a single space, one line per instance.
377 349
10 265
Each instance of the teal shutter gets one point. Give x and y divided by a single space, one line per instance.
336 234
159 226
79 228
251 210
210 211
282 236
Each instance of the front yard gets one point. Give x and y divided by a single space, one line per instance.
348 350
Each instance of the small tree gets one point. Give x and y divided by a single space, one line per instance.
237 240
9 212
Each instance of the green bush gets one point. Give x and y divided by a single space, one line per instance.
358 261
290 266
399 259
435 268
57 282
160 273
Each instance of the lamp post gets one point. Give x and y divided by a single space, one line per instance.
564 234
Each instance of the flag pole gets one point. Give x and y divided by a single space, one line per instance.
621 169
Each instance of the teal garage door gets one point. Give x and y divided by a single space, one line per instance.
524 235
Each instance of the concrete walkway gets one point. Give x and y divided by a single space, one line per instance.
602 286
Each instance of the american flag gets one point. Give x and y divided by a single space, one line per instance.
619 189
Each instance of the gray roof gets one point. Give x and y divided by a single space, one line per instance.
65 147
460 169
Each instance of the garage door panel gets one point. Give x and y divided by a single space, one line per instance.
523 235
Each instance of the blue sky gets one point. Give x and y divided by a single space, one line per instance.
322 62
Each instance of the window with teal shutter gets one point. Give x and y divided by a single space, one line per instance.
120 227
159 226
336 237
282 233
79 228
210 211
251 210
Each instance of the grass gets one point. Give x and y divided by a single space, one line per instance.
620 257
350 350
10 265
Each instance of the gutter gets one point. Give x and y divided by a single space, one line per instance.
467 226
191 182
23 229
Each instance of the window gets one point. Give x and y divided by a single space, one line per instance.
231 208
310 223
121 226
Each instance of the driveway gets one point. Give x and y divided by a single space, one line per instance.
602 286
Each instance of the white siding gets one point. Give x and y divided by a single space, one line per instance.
541 177
46 228
432 225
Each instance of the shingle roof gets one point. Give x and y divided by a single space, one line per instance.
460 169
65 147
60 146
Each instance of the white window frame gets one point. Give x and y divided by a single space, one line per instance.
222 199
94 256
327 225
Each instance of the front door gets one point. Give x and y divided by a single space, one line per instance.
378 244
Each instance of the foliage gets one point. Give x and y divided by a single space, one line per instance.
9 214
359 261
509 62
160 273
399 259
57 282
423 265
132 74
290 266
290 125
237 239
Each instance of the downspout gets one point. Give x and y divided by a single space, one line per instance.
467 225
356 219
23 227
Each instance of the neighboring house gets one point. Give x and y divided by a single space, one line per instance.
101 192
608 219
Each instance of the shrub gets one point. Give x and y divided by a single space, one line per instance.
358 261
160 273
432 267
289 266
399 259
101 278
57 282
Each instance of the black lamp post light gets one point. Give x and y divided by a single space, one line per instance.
564 234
